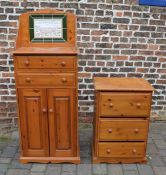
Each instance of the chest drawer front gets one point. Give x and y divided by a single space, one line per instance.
119 104
45 62
45 79
122 130
115 149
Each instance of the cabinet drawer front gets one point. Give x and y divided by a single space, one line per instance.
40 62
124 104
120 149
50 79
122 130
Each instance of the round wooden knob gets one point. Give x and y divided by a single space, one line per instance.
44 110
136 130
110 130
109 99
64 80
63 64
28 80
50 110
108 151
138 105
134 150
27 63
111 105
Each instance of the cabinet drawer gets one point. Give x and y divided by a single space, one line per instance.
46 62
50 79
126 104
122 130
120 149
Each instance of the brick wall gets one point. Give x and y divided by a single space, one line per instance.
115 38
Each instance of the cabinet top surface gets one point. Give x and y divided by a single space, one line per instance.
122 84
46 50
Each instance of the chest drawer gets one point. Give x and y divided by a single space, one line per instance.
128 104
116 149
45 62
122 130
45 79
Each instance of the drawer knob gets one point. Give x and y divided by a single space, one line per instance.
108 151
50 110
134 150
28 80
136 130
64 80
27 63
110 130
44 110
63 64
111 105
138 105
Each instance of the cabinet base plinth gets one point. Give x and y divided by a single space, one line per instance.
117 160
75 160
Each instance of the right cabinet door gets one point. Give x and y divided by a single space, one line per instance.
62 122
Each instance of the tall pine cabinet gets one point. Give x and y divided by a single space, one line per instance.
45 64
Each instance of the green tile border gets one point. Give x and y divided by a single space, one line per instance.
47 16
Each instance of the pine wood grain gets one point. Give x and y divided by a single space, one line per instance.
46 83
122 84
121 124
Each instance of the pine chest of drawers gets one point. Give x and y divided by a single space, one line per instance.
122 111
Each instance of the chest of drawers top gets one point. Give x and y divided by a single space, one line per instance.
122 84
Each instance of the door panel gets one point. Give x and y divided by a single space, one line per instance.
33 122
62 108
61 105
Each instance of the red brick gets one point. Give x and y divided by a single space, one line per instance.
162 60
161 82
123 27
120 57
83 75
119 14
160 53
142 70
98 32
161 71
153 47
8 24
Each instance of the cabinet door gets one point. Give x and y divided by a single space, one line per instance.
62 122
33 122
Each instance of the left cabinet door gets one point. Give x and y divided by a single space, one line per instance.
33 122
